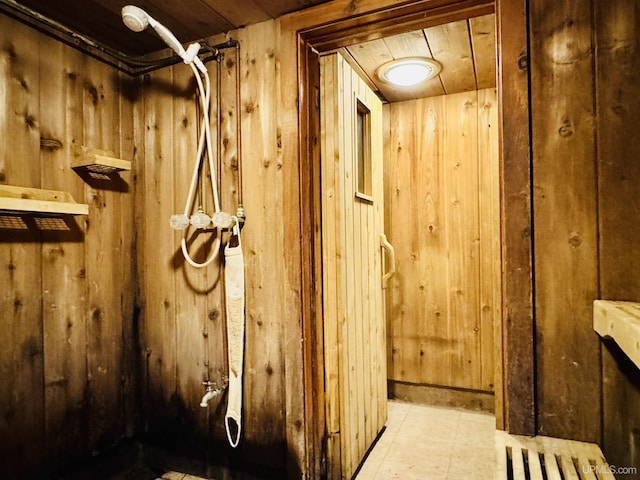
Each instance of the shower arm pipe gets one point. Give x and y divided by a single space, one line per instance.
207 124
133 66
240 213
219 112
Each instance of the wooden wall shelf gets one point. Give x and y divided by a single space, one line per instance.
98 161
620 321
36 200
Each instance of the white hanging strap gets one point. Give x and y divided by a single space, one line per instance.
235 303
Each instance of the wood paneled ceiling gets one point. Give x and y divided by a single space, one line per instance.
189 20
465 49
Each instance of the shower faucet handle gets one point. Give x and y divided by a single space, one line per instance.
209 385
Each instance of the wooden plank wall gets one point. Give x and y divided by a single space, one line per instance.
67 296
586 176
565 220
183 333
618 143
442 216
66 390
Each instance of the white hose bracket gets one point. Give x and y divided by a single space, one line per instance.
191 56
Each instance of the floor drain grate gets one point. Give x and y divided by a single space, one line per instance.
546 458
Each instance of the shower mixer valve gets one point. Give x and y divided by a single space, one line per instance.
179 222
200 219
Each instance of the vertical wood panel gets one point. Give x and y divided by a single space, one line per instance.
394 187
352 331
565 220
104 316
618 117
160 245
65 397
441 215
429 186
21 358
489 212
332 266
263 246
128 93
306 419
74 400
64 273
516 224
461 221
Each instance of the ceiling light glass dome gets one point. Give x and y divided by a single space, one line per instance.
405 72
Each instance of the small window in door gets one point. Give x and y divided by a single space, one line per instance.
363 151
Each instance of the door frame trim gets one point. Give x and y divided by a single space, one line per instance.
344 22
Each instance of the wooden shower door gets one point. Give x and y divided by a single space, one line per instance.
352 224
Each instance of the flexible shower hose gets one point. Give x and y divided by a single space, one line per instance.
204 141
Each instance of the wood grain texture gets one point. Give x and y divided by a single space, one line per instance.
22 356
47 404
64 273
565 218
189 21
265 251
103 308
158 327
450 44
67 318
184 323
618 116
195 333
516 229
344 23
353 316
464 48
483 43
441 216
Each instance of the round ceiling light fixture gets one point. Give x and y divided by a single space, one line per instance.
406 72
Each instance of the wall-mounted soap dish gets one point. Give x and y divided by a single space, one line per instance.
98 161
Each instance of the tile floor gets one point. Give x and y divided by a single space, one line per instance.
425 443
432 443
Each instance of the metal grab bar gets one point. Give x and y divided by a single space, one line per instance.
386 246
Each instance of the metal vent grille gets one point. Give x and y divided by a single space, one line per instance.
546 458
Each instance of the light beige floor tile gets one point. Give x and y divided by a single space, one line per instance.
472 465
396 414
377 455
432 443
419 468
